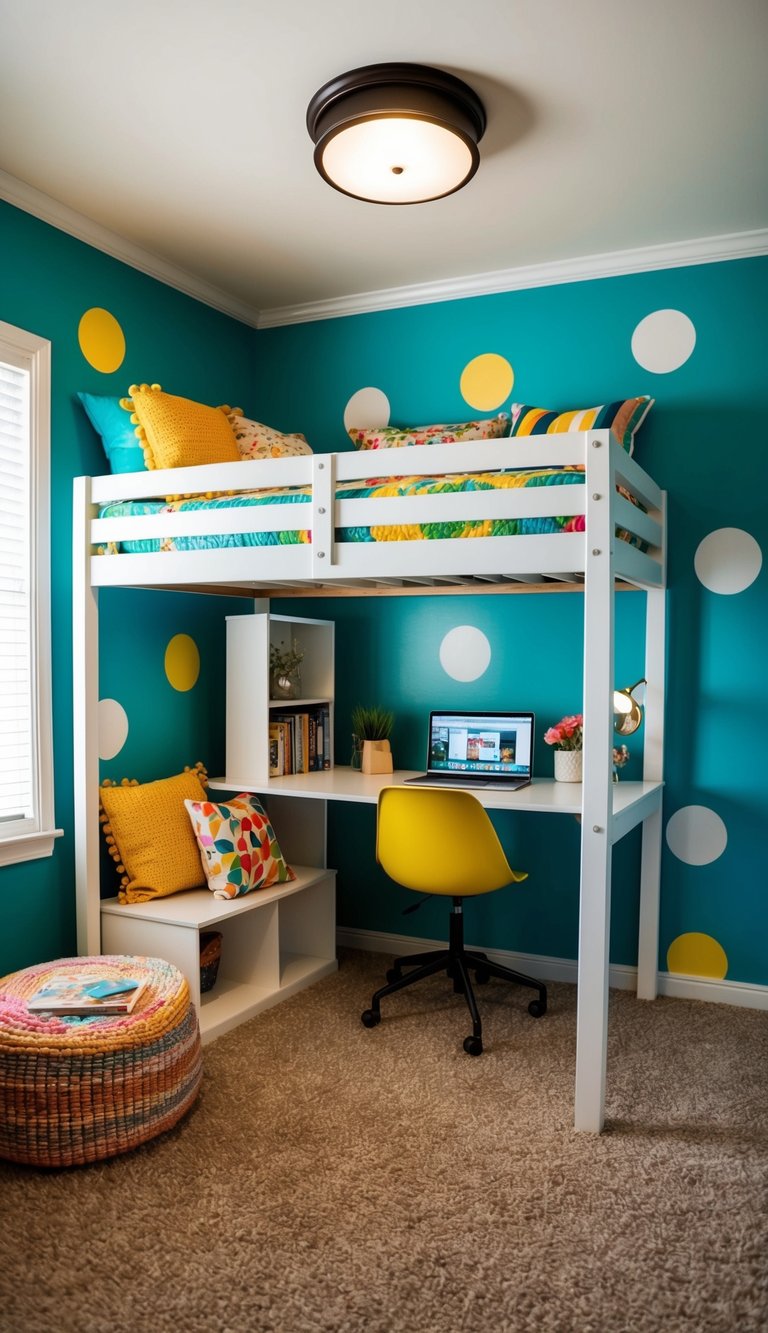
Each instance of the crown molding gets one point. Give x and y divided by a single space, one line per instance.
677 254
42 206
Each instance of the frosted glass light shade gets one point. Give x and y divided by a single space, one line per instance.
397 160
396 134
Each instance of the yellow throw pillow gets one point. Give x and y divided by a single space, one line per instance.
178 432
150 837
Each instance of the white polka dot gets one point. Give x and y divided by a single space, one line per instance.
728 560
366 408
696 835
113 728
663 341
465 653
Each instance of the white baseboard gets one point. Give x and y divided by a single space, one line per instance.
741 993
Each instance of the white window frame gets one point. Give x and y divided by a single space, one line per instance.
31 838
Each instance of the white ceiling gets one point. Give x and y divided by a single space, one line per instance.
179 125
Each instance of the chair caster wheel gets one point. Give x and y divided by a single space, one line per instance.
394 974
473 1045
537 1008
369 1019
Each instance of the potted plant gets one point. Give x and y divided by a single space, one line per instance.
567 737
284 675
371 730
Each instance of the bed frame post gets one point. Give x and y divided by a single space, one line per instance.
85 672
653 771
597 794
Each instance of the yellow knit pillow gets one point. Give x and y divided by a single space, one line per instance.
150 837
178 432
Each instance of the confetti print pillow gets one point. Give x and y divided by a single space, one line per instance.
238 847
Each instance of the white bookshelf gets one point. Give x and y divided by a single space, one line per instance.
249 706
275 941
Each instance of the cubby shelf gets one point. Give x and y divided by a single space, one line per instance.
274 941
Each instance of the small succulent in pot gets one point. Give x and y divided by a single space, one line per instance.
369 723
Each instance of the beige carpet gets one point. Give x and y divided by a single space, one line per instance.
334 1178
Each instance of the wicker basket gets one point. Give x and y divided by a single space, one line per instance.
210 957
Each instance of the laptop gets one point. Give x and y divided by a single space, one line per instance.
490 751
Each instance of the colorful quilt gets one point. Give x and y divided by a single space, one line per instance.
390 486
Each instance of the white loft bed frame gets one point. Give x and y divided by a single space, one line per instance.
594 561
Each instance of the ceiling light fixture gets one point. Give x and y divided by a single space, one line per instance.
396 134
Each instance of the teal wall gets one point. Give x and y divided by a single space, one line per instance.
48 281
571 346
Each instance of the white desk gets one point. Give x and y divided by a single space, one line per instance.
633 803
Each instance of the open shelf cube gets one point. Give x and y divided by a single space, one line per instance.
275 941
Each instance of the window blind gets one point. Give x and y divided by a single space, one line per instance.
17 713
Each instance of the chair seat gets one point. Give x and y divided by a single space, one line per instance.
441 841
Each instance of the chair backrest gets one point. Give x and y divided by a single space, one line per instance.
437 840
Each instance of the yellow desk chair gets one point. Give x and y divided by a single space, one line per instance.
441 840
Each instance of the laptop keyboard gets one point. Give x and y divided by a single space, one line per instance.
468 783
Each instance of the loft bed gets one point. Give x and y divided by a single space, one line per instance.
327 521
530 514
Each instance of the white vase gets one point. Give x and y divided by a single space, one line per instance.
568 765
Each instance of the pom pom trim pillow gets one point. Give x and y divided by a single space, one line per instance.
178 432
257 441
398 437
123 451
238 847
149 837
623 417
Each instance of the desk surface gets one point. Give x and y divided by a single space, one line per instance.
545 796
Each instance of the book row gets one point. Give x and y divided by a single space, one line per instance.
299 741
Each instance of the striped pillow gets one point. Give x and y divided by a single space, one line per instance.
623 418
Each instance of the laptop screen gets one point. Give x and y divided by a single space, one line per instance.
488 745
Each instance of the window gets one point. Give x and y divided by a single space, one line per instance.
26 747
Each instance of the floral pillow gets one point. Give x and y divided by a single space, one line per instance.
623 417
238 847
255 440
398 437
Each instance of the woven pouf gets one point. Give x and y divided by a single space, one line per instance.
79 1089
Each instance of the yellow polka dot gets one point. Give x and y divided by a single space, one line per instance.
697 955
487 381
102 341
182 662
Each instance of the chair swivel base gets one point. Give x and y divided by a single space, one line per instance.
456 961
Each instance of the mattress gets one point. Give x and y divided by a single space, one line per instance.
376 489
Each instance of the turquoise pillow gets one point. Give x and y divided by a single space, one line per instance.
113 424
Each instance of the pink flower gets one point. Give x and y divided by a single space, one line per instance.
567 734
